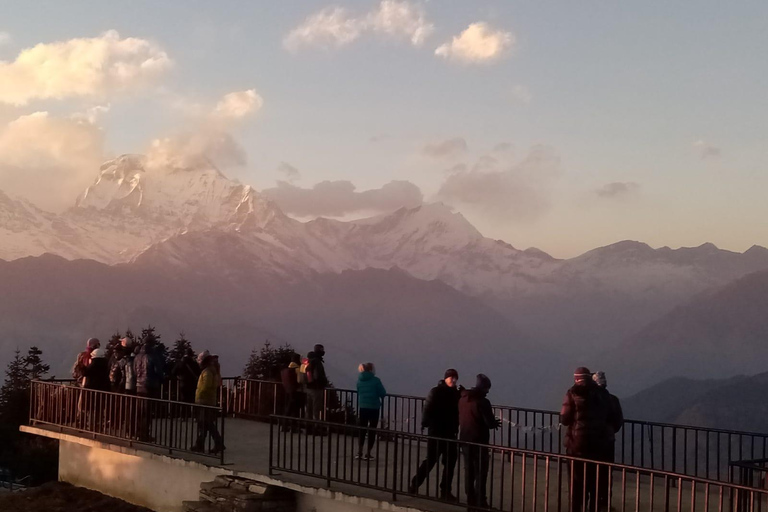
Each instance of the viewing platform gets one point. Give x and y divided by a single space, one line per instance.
140 450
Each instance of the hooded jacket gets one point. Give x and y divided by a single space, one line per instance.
208 383
148 369
370 391
476 418
289 377
316 366
441 411
97 374
587 412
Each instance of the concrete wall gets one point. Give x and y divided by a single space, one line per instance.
154 481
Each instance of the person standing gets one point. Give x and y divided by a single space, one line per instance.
370 393
586 412
128 383
96 379
317 381
206 394
615 422
83 360
441 419
148 367
476 420
290 381
186 372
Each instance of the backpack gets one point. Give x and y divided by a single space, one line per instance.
309 371
78 368
302 373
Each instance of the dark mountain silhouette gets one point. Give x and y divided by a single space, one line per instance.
736 403
722 332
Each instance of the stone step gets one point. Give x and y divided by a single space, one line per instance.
244 484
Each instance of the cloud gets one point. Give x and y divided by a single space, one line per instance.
194 149
446 148
237 105
334 27
291 173
617 189
400 20
503 147
49 160
337 198
706 150
91 115
5 38
522 94
476 44
379 138
88 67
521 192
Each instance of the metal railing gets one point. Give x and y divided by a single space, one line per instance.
170 425
680 449
501 478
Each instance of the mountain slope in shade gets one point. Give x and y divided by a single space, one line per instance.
412 329
719 333
737 403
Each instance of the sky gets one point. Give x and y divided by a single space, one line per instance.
558 125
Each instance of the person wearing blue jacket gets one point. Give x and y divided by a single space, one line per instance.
370 392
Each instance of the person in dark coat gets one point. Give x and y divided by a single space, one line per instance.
615 422
148 366
586 412
441 419
97 372
290 379
317 381
185 372
476 420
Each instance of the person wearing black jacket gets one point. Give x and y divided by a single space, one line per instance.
441 419
186 372
317 381
290 379
476 420
615 422
587 412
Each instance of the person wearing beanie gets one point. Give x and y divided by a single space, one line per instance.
587 414
370 393
289 378
441 419
83 360
97 372
317 381
476 420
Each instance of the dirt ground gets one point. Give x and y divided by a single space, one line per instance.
59 497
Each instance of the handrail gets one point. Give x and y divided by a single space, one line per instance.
515 478
170 425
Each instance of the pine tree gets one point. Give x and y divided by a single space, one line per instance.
148 337
268 362
112 344
181 348
14 395
33 364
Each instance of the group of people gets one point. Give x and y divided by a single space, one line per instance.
452 413
134 369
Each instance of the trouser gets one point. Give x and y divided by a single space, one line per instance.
206 424
315 404
438 448
603 489
584 484
369 418
145 412
291 408
476 463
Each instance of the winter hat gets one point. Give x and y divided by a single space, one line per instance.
296 358
582 373
202 355
126 342
450 372
92 343
599 378
483 382
319 349
98 353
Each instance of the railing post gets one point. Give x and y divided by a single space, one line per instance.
394 468
271 442
223 420
328 462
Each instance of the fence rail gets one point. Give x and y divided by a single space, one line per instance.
170 425
680 449
515 479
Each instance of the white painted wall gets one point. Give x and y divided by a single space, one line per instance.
157 482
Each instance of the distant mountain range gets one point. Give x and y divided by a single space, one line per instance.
736 403
189 248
